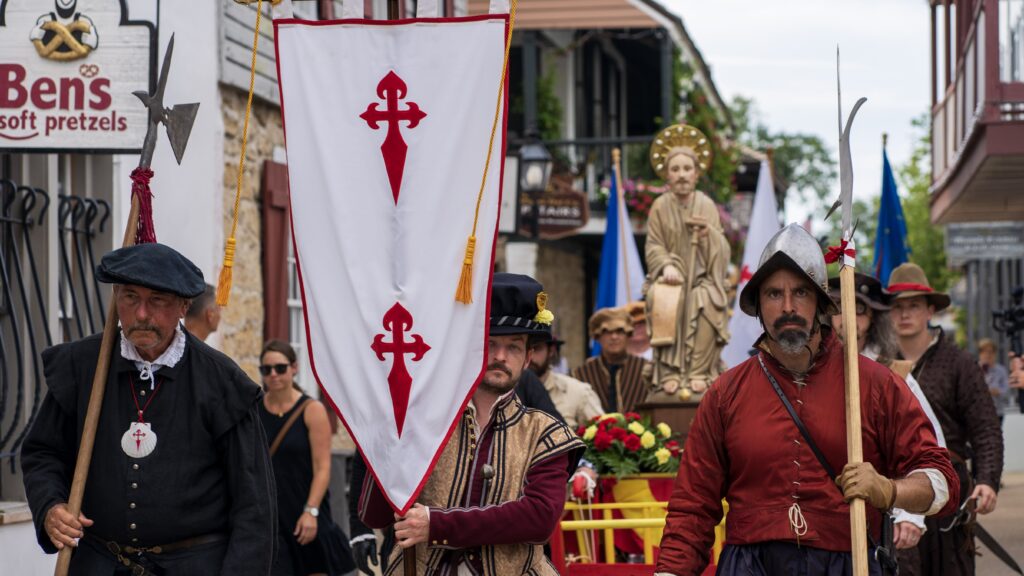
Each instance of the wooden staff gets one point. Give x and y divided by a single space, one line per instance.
687 297
854 445
408 554
99 386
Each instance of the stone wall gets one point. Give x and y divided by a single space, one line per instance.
242 320
560 271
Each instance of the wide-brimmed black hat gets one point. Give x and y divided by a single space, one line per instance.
519 306
868 290
154 266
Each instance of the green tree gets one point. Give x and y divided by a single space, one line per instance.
802 162
927 242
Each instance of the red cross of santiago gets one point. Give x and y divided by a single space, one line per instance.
397 321
138 435
392 89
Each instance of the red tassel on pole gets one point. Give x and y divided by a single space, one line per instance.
146 233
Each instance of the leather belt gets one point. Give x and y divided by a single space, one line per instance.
137 569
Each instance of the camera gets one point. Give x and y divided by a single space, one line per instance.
1011 320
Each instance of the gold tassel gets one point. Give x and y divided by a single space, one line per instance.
464 292
224 283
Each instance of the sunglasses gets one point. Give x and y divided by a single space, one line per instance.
265 369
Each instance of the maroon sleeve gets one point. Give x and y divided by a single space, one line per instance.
529 519
909 439
374 509
695 507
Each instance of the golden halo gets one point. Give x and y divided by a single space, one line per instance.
676 136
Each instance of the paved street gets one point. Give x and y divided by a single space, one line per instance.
1007 525
1007 522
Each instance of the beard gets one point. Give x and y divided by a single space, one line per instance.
540 368
792 340
497 384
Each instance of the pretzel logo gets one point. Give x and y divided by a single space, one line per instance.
63 38
88 70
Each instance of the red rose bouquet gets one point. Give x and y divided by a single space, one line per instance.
624 444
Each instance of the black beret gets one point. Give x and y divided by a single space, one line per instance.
516 303
154 266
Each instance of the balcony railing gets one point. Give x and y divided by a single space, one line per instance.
986 85
590 161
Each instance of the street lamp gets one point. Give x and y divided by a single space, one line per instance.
534 173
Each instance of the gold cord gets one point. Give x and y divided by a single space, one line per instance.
464 291
224 283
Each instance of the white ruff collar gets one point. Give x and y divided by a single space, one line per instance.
169 358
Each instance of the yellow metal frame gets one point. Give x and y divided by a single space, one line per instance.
646 526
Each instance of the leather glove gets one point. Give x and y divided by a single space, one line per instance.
365 552
861 481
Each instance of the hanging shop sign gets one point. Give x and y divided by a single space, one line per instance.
68 70
561 211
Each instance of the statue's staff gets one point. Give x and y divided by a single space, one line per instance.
139 229
845 254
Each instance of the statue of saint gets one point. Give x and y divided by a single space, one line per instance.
687 262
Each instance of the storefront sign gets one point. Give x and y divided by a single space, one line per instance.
561 211
984 241
68 69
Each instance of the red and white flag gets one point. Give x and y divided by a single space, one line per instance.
388 126
764 223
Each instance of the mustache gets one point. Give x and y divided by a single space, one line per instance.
499 368
790 319
144 328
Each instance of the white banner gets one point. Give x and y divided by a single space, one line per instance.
387 128
764 223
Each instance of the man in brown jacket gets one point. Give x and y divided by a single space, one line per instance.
617 376
955 388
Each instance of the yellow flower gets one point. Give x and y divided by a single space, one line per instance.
636 428
664 430
663 454
610 416
590 432
544 317
647 440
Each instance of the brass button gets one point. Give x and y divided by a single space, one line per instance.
470 557
135 539
135 466
131 526
142 392
435 542
132 505
135 485
445 542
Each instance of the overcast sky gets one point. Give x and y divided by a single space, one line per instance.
782 54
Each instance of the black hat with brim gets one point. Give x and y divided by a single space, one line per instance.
868 290
154 266
514 306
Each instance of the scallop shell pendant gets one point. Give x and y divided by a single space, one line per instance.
139 441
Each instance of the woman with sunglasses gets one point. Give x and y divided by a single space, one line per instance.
309 541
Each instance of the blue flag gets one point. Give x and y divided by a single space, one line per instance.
621 276
891 247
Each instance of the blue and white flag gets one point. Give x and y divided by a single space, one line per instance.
621 277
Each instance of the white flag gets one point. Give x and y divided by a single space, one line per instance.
387 127
764 223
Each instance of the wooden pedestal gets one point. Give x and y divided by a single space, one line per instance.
678 415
